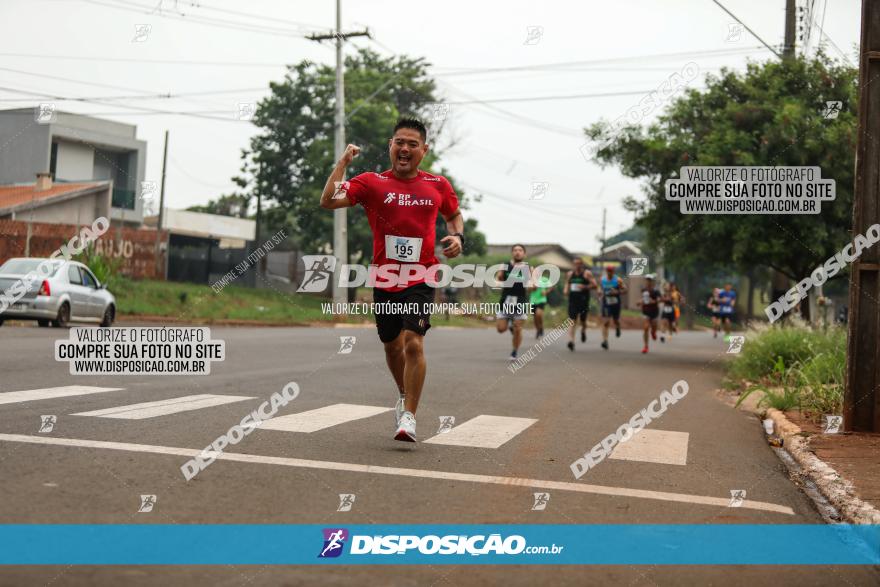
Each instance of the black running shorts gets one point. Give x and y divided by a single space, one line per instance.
578 306
611 311
408 309
651 314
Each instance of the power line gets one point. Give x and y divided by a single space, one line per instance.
825 35
144 94
511 116
152 61
142 109
564 65
183 170
195 19
273 19
745 26
545 98
166 96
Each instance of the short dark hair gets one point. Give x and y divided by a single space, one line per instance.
523 247
413 123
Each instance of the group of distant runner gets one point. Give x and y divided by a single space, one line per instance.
722 304
660 307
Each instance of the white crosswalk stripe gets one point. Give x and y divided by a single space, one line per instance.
165 407
30 395
314 420
483 431
654 446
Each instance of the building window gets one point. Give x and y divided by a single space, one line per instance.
53 159
123 198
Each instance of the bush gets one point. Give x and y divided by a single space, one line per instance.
809 366
797 345
820 382
105 268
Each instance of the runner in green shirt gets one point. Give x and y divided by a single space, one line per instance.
538 299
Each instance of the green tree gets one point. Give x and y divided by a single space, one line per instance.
290 159
770 114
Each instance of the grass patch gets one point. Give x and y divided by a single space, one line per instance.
809 366
189 301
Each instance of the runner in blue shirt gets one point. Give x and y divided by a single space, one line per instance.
611 288
727 306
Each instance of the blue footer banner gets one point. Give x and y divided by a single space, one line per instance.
437 544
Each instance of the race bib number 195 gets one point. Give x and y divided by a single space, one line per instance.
403 248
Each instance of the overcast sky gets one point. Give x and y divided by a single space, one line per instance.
503 147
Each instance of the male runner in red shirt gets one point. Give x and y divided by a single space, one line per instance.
402 205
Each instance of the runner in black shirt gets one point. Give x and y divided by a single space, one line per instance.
513 297
650 305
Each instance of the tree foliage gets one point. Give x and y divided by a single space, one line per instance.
770 114
290 159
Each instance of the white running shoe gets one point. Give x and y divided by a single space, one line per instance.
406 428
399 409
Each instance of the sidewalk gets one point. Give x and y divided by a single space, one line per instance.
855 456
845 467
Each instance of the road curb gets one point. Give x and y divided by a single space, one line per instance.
836 489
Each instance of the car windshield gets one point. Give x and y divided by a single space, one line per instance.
23 266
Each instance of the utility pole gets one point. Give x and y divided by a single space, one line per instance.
159 224
790 28
340 215
861 402
602 252
161 221
259 191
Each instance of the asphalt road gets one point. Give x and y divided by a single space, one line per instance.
563 404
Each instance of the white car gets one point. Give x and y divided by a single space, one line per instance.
70 293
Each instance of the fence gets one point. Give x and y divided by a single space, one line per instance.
137 248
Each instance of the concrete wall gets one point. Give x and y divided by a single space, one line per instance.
136 249
81 210
26 151
76 162
89 124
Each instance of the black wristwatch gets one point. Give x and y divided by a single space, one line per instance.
461 238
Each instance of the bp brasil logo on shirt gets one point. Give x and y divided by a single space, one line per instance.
407 199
